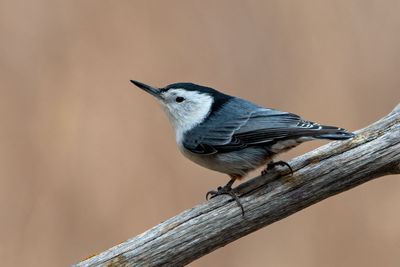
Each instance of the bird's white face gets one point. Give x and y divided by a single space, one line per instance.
185 109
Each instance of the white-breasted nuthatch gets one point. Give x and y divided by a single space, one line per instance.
232 135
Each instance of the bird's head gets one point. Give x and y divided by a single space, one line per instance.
186 104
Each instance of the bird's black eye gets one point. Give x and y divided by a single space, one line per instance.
179 99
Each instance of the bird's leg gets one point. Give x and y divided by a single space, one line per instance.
226 190
272 165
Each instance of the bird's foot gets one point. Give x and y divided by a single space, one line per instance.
225 190
272 165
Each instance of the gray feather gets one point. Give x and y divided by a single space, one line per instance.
240 124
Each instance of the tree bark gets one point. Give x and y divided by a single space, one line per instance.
319 174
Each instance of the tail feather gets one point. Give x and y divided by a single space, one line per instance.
334 133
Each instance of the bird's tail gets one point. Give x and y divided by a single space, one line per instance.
334 133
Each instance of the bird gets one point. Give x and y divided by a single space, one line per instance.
231 135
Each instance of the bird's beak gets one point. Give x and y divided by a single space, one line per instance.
149 89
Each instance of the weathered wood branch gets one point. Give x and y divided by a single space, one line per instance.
324 172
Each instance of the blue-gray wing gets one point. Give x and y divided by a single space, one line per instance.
239 124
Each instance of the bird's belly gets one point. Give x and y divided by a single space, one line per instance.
285 145
236 163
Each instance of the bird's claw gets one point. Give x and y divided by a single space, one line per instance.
272 165
225 190
211 193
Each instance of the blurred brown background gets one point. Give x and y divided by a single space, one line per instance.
87 160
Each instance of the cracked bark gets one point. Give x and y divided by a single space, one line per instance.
319 174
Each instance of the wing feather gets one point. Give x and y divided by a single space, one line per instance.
239 124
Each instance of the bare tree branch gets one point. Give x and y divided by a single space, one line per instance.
324 172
